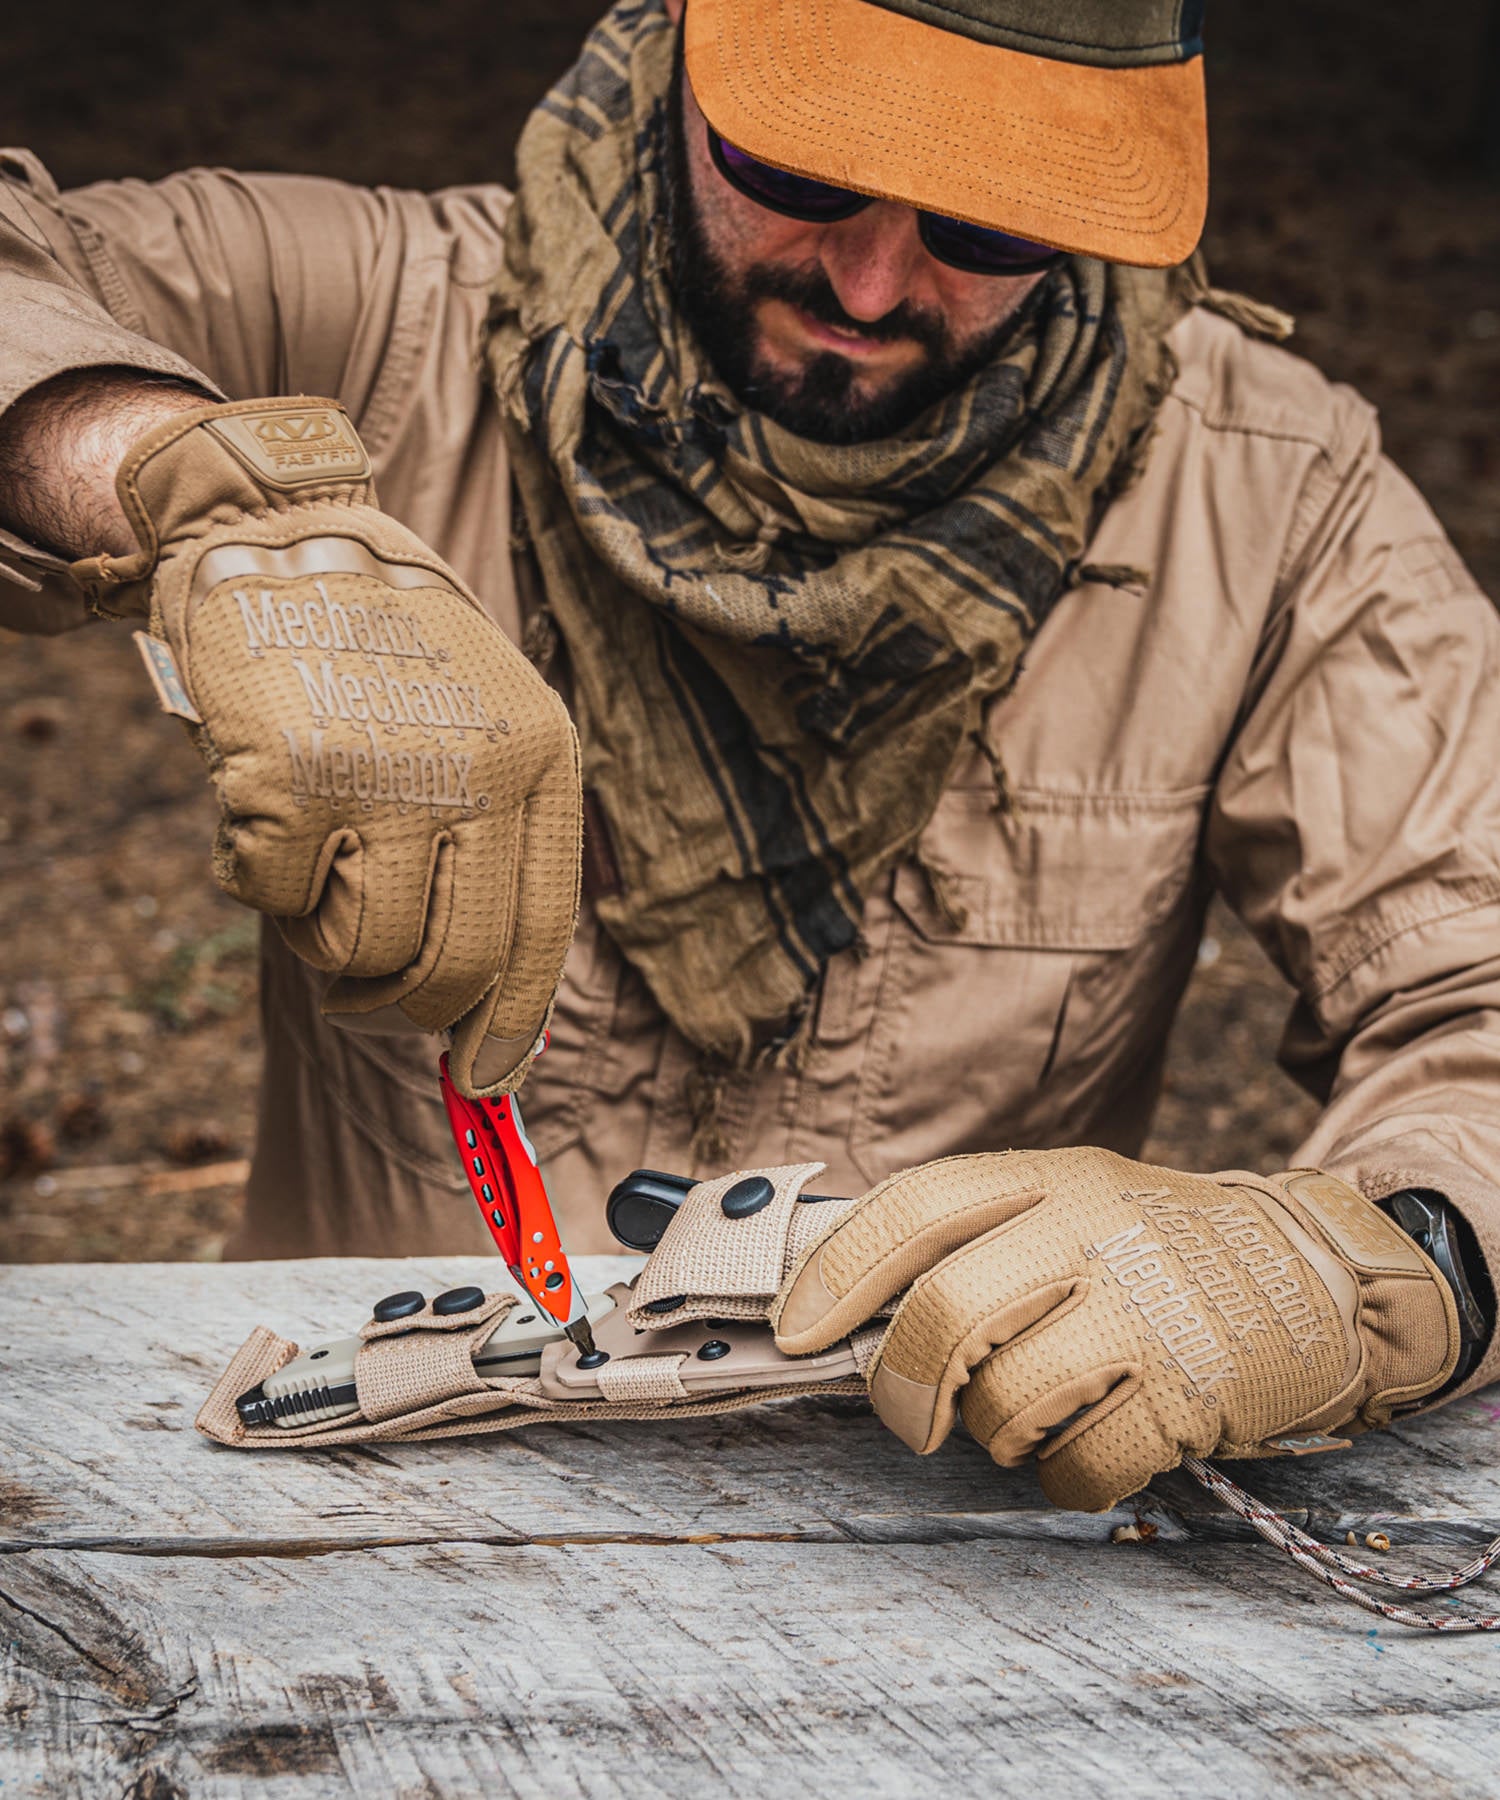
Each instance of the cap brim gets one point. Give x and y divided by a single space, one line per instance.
1105 162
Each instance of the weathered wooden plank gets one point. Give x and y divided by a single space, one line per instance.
106 1366
445 1618
755 1669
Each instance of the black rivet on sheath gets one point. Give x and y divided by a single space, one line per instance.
458 1300
713 1350
593 1359
747 1197
399 1306
670 1304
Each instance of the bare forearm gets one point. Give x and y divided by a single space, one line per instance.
60 446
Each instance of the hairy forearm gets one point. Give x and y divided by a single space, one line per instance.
60 446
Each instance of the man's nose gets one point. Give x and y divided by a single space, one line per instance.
873 259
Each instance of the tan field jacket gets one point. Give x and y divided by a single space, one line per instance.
1301 706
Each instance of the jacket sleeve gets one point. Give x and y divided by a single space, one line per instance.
244 285
1356 829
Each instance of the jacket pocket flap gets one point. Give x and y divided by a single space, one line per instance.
1056 872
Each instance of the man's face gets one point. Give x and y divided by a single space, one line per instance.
840 332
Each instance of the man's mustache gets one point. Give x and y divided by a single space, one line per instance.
812 292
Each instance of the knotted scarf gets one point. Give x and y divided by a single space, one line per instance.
776 646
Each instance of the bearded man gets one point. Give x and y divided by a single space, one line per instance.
949 589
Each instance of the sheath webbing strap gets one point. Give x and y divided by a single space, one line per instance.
729 1265
489 1313
864 1343
643 1380
394 1376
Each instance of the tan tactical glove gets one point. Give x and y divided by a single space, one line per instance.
1111 1318
400 789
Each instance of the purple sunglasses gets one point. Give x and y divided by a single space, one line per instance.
973 248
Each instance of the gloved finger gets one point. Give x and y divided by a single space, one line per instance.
1114 1451
369 912
981 1297
351 996
547 905
1033 1389
498 1033
482 1064
263 862
900 1230
470 924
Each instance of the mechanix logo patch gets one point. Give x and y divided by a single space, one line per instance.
288 446
294 432
1364 1236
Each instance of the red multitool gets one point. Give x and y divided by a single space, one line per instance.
501 1165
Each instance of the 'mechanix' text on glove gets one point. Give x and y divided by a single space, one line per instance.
1109 1318
399 787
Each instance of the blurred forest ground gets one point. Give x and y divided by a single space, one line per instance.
1348 187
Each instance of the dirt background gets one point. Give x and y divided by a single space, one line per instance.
1354 183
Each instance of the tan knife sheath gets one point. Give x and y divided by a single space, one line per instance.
415 1377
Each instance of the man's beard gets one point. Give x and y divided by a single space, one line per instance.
820 401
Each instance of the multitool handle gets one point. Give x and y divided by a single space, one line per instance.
501 1166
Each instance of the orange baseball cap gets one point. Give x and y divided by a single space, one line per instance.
1075 123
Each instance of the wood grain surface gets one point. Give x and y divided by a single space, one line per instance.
751 1605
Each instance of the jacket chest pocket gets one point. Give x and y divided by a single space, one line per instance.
1014 948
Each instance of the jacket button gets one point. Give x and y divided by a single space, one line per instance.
399 1306
458 1300
747 1197
713 1350
669 1304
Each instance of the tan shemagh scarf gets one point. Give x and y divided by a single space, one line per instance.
776 646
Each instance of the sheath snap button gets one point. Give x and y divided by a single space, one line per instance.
458 1300
747 1197
713 1350
670 1304
593 1359
399 1306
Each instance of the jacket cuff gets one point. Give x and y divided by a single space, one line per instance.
1421 1159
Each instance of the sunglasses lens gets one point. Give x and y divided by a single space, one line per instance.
981 251
796 195
971 247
